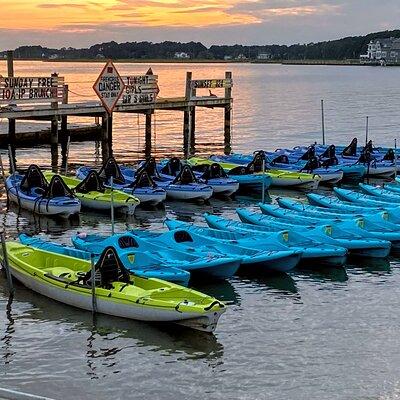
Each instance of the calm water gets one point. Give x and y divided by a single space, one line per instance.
328 334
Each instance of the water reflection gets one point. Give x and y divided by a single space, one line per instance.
375 266
279 283
221 290
6 339
323 274
20 220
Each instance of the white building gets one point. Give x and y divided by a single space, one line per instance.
384 51
181 55
264 56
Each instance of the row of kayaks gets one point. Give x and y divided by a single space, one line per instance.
123 188
378 162
142 274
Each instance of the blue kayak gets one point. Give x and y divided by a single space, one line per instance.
185 186
371 222
140 263
363 199
315 211
209 174
315 252
380 193
208 264
31 191
255 258
193 243
337 204
361 227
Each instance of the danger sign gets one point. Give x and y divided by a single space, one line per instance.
109 87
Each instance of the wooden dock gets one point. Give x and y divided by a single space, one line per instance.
59 109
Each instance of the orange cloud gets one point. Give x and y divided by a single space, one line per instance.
62 14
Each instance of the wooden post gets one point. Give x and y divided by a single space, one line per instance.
104 138
228 117
11 122
188 87
147 150
54 144
323 122
186 122
186 114
110 134
64 133
54 135
192 132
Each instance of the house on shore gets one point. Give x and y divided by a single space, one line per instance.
264 56
181 55
382 52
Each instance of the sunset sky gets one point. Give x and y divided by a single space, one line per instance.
79 23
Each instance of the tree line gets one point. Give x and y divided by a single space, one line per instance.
340 49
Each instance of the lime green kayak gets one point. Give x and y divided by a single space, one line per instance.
280 178
100 197
118 292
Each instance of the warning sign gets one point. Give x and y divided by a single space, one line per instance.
109 87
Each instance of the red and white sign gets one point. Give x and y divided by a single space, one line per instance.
109 87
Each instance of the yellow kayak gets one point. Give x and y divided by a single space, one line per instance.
278 177
117 291
92 194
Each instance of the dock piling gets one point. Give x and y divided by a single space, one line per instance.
323 122
228 117
54 144
93 284
147 150
6 264
104 138
11 122
64 133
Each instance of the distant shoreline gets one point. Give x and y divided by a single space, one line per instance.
349 62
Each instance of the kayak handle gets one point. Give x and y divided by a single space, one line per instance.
214 303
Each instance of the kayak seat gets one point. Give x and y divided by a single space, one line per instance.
150 166
57 188
33 178
108 269
111 169
142 180
182 236
172 167
214 171
91 183
185 177
127 242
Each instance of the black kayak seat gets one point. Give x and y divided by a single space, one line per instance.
351 149
213 171
172 167
91 183
185 177
33 178
57 188
108 269
111 169
182 237
127 242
